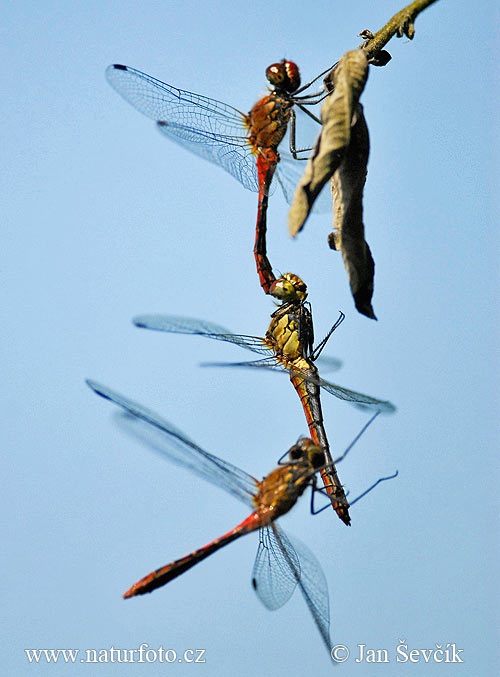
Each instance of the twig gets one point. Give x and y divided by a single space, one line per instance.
401 24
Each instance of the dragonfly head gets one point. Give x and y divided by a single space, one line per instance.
284 76
289 288
308 451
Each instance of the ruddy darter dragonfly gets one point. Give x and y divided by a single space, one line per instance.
288 346
281 564
246 146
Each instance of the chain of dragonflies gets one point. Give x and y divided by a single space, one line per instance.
246 146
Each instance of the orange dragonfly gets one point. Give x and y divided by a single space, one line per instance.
246 146
281 564
288 347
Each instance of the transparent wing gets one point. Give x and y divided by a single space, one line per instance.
358 399
328 363
231 153
166 438
162 102
272 578
266 363
177 324
281 565
288 174
206 127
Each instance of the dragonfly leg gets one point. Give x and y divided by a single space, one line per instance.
348 449
319 348
293 135
324 491
311 82
335 492
308 112
375 484
281 459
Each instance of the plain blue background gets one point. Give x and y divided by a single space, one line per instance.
104 219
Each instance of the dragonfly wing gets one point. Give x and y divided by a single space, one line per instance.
177 324
208 128
358 399
225 151
273 579
266 363
310 579
231 153
169 440
328 363
288 175
162 102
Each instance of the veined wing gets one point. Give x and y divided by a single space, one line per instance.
207 127
328 363
281 565
358 399
177 324
166 438
288 174
271 362
272 578
162 102
229 152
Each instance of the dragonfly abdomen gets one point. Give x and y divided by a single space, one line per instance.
309 394
167 573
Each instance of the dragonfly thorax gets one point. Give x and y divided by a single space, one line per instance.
267 121
283 336
279 490
290 332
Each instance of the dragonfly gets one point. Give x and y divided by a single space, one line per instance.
245 145
282 564
287 347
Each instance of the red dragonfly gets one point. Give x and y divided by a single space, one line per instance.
288 347
281 564
246 146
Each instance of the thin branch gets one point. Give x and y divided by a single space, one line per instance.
401 24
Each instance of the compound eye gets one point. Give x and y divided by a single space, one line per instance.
293 76
295 453
291 287
317 459
281 290
284 75
276 74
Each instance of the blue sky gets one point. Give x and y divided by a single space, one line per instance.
104 219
